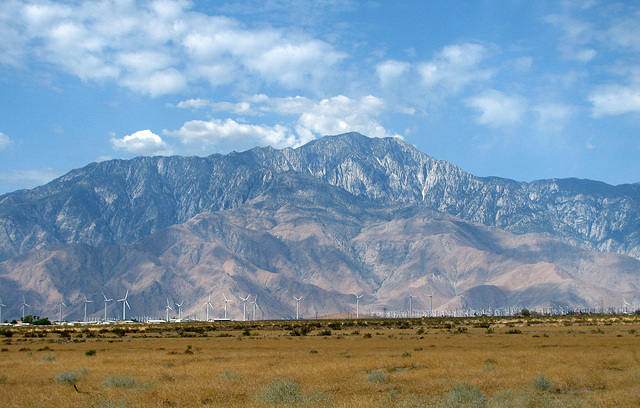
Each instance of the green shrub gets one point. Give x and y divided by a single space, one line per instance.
542 383
90 353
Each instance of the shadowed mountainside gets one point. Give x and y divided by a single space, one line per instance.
298 236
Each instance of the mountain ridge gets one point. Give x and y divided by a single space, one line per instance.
302 236
155 192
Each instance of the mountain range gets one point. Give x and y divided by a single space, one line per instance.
340 215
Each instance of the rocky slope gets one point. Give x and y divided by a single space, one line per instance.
120 202
297 235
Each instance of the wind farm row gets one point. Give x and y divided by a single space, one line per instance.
254 311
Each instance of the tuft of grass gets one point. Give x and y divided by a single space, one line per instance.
119 381
229 375
464 396
281 391
105 403
542 383
378 377
69 378
48 357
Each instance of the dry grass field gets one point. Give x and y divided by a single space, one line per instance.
573 361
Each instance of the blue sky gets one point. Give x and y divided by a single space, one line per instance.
518 89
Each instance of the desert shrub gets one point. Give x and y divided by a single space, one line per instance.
105 403
406 354
367 335
514 331
464 396
90 353
286 391
119 381
229 375
281 391
48 357
542 383
67 378
325 332
6 333
377 377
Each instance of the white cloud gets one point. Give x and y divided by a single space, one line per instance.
29 178
4 141
615 100
553 116
576 39
498 109
160 47
389 71
207 134
194 104
454 67
142 142
330 116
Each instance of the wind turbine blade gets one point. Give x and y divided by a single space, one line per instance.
127 303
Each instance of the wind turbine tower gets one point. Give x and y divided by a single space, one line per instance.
125 304
298 306
208 305
85 306
1 305
358 305
410 309
60 312
244 307
167 310
225 305
24 306
431 305
180 310
255 304
105 305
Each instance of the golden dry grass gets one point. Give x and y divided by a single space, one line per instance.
590 363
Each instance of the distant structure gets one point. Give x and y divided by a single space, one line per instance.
244 307
225 305
24 306
125 303
298 307
358 305
85 306
105 305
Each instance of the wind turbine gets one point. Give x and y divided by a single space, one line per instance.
358 305
167 310
244 307
298 306
60 313
225 305
208 304
431 304
180 310
125 303
105 305
410 309
1 305
85 306
24 306
255 304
